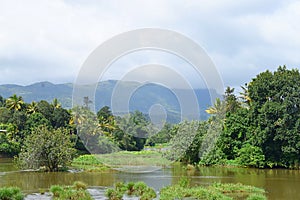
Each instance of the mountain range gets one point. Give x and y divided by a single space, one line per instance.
142 99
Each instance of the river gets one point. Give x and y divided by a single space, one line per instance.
279 183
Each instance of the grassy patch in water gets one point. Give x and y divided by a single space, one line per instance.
7 193
75 192
134 158
103 162
138 189
89 163
226 191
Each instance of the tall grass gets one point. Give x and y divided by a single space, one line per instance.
11 193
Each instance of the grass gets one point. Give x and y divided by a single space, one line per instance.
104 162
75 192
138 189
220 191
11 193
183 190
134 158
89 163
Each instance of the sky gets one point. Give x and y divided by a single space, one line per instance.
50 40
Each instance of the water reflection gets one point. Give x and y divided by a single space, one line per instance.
279 183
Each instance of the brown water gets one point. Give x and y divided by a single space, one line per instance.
279 183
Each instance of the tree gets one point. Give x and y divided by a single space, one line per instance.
2 101
132 131
14 102
47 148
275 112
231 100
60 118
55 103
5 115
9 141
32 108
45 109
218 108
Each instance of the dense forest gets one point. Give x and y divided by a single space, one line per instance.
260 127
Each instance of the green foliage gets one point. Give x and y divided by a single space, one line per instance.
263 129
9 141
11 193
163 136
186 136
132 131
86 160
14 102
89 163
46 148
256 197
214 191
60 118
275 114
5 115
75 192
251 156
139 189
78 185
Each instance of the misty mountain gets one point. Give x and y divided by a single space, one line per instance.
142 99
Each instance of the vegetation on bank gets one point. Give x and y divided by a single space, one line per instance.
75 192
218 191
14 193
139 189
105 162
183 190
258 128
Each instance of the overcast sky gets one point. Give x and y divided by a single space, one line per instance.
50 40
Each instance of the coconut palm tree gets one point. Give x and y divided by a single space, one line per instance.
218 108
14 102
55 103
32 108
245 96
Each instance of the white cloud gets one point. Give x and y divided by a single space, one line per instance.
51 39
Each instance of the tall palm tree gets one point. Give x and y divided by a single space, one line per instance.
55 103
14 102
32 108
218 108
245 96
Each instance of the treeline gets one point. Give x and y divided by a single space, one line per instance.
18 119
100 133
260 127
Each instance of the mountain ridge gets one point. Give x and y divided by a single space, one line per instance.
142 99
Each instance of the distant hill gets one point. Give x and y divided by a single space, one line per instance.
142 99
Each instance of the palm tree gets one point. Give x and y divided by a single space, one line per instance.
245 96
14 102
218 108
32 108
55 103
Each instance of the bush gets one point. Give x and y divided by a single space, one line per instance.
251 156
46 148
76 192
139 189
11 193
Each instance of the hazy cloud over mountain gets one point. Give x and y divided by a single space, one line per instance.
49 40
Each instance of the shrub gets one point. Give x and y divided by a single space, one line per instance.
139 189
46 148
251 156
11 193
76 192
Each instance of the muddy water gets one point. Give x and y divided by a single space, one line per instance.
279 183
